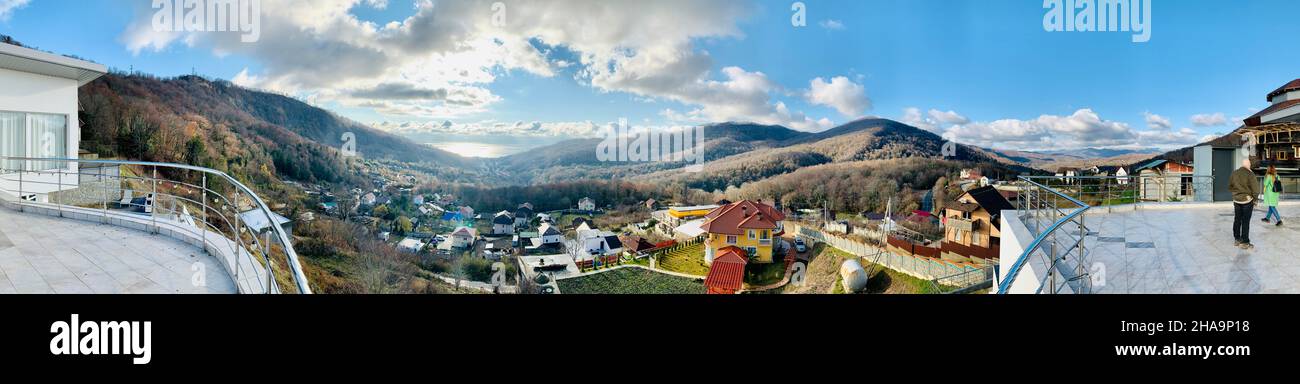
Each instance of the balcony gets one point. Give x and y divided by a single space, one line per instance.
1119 244
103 226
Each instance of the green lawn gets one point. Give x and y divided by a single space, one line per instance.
631 281
688 260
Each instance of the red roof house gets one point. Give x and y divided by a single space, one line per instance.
727 274
733 219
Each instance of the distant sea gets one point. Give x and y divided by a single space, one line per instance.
483 145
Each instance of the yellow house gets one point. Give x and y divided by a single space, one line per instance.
748 225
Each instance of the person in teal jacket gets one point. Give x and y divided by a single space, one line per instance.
1270 197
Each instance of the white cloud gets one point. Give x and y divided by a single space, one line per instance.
1155 121
948 117
1082 129
831 24
1209 120
847 97
318 48
935 121
7 7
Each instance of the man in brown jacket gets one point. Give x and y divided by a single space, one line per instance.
1245 192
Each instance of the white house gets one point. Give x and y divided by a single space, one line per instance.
586 204
38 114
522 214
410 245
503 223
1122 175
463 237
548 234
598 242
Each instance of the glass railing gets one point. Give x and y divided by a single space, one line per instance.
202 206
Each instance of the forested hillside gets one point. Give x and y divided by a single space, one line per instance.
251 134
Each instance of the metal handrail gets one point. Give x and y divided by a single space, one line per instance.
1020 262
295 267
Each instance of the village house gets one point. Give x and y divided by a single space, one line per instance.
747 225
548 234
635 245
1277 130
503 223
410 245
972 225
597 242
586 204
579 221
522 214
368 199
1067 174
462 238
1164 180
672 220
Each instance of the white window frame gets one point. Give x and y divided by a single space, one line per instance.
731 239
29 139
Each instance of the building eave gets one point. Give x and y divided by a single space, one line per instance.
29 60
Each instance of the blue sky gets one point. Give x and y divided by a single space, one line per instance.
980 72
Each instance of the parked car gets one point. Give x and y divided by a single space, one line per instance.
800 246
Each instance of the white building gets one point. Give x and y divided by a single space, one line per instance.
463 237
503 223
38 114
410 245
548 234
586 204
596 242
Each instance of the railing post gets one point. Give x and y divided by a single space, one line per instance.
105 194
1051 266
238 240
266 254
153 209
21 169
203 229
59 192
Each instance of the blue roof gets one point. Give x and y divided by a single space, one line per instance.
452 216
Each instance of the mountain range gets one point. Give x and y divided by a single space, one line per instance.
215 123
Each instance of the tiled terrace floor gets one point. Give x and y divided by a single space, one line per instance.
43 254
1190 250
